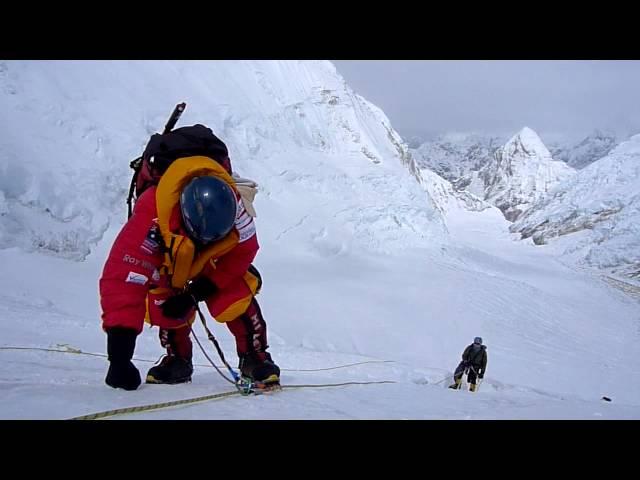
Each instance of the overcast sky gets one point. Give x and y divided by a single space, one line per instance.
566 97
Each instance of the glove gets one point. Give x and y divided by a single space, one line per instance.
481 375
122 373
178 305
201 288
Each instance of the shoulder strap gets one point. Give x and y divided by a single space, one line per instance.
247 189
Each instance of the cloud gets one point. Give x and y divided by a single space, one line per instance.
500 96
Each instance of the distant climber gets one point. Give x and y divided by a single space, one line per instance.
474 364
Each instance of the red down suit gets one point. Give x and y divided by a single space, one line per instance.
152 259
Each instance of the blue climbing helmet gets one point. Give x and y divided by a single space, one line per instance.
477 340
208 206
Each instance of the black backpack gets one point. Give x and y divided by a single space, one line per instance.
163 149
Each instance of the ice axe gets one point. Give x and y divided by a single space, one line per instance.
175 116
136 164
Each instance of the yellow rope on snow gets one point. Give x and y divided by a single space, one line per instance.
156 406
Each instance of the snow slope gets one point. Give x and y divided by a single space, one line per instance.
558 340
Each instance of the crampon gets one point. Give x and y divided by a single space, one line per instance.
248 386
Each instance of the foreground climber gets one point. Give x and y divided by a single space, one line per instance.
191 238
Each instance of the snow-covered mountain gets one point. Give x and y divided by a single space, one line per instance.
519 173
545 198
582 154
69 132
455 156
597 210
509 175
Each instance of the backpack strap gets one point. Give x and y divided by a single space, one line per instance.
137 166
247 189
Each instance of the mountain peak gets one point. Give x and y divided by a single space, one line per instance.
528 142
521 172
528 132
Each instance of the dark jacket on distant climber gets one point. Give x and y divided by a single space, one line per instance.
476 357
474 363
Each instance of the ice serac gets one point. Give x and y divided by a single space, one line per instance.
456 156
332 170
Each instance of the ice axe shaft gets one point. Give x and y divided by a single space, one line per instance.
175 116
